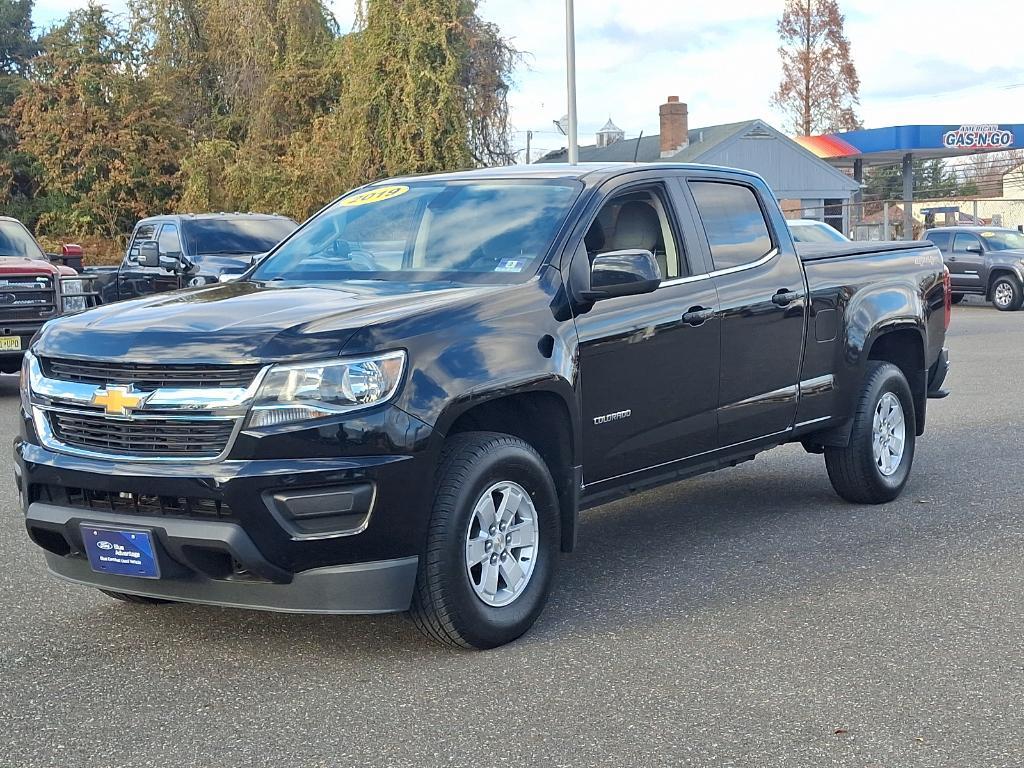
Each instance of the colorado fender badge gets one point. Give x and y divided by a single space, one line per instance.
617 416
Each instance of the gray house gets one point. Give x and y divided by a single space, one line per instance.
806 186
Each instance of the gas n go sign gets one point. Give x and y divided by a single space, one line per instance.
978 137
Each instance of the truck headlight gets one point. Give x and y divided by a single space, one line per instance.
73 286
301 392
26 383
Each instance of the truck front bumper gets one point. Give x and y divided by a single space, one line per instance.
314 535
374 587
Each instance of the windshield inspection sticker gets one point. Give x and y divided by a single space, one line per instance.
510 265
375 195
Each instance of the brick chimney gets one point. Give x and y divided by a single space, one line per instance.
675 129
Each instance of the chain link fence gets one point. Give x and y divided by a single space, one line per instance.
876 220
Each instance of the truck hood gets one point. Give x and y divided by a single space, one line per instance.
17 265
1012 254
243 322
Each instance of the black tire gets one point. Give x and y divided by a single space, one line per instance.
1011 285
853 471
11 366
445 606
137 599
957 298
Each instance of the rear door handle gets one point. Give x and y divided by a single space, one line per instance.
698 316
784 298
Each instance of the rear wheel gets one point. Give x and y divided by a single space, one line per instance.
138 599
1006 293
875 466
492 543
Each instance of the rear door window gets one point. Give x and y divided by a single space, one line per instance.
733 221
940 239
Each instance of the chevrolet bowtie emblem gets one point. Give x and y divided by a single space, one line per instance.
119 401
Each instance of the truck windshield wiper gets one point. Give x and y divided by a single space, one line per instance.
227 253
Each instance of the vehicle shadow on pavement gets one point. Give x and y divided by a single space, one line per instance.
727 537
9 385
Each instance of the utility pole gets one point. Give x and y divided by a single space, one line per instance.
570 74
908 196
529 140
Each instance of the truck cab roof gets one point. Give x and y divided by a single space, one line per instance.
591 173
224 215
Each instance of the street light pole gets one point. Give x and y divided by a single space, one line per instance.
570 71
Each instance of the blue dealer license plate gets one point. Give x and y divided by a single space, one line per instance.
121 551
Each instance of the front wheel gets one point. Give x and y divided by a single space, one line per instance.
1006 293
875 466
492 543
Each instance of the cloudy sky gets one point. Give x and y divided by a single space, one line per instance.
920 61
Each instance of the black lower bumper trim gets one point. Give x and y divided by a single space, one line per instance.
379 587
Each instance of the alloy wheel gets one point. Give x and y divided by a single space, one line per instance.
501 543
889 434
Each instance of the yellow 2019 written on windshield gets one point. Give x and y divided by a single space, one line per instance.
375 195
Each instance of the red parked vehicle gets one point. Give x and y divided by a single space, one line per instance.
33 289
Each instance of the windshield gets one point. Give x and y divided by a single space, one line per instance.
485 231
1004 240
205 237
816 233
15 240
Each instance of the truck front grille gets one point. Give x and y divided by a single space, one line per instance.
146 376
27 297
128 503
192 438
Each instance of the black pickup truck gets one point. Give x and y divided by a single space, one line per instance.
406 405
175 251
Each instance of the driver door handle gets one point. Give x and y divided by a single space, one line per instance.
784 298
698 315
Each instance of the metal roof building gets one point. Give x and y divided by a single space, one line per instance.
793 172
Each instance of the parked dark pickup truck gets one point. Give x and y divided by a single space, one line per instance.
984 261
33 290
183 250
407 404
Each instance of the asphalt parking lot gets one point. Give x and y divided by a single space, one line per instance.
746 618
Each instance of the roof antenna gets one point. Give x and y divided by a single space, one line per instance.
636 152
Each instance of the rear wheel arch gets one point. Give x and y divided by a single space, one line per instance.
904 347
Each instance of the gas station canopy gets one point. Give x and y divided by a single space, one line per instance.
886 146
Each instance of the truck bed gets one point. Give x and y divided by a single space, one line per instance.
820 251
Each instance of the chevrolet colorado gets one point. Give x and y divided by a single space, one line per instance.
406 405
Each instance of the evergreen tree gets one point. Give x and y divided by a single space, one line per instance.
106 146
17 47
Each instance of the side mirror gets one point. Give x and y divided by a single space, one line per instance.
149 254
973 249
622 273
